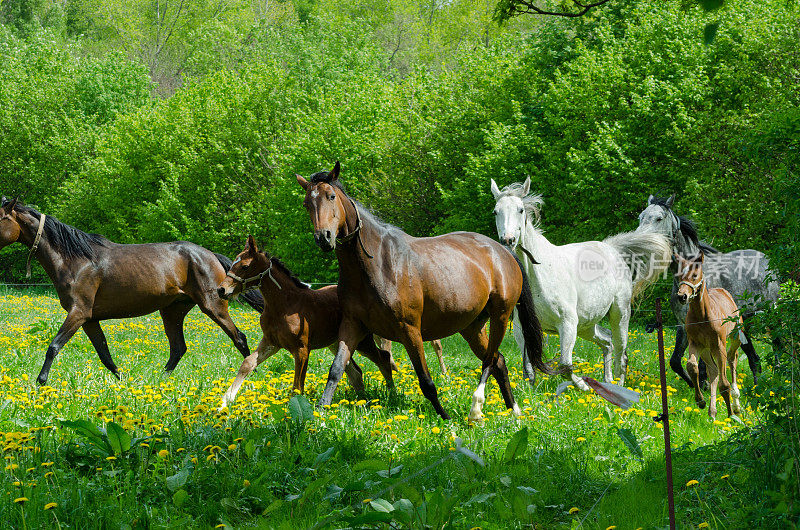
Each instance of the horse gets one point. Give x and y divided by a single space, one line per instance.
578 284
97 279
712 317
295 318
743 273
410 290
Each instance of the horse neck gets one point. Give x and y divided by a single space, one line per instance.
53 263
351 254
534 241
277 297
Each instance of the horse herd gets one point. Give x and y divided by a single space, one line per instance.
411 290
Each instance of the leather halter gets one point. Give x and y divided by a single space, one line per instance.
259 277
35 245
355 233
694 286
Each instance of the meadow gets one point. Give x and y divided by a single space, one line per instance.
154 451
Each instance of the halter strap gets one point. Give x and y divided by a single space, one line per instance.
259 277
35 245
355 233
695 286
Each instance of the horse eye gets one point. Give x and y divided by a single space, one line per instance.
331 197
521 210
244 266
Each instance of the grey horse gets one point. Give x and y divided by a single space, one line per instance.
743 273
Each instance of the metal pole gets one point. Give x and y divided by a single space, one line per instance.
665 416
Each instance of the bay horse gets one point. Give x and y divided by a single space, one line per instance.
386 344
576 285
744 274
410 290
97 279
295 318
712 318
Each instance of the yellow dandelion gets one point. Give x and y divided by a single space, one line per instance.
111 458
163 453
232 447
703 525
50 505
246 483
692 483
21 500
365 501
725 477
436 430
580 439
573 510
612 527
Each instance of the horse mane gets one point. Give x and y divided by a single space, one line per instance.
532 202
686 226
284 269
327 178
67 240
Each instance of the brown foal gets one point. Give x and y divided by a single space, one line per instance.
295 318
386 344
713 317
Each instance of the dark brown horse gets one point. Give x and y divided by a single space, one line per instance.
295 318
410 290
97 279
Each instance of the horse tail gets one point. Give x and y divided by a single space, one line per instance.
646 254
252 297
531 328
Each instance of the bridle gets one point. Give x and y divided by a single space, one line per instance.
258 277
35 245
355 233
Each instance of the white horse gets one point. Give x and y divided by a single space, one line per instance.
576 285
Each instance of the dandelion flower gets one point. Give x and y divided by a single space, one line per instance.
703 525
725 477
580 439
50 505
163 453
573 510
436 430
692 483
21 500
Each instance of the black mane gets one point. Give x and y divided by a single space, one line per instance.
284 269
65 239
686 226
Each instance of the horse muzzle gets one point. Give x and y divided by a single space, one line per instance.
325 240
509 241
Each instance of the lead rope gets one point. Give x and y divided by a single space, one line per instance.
35 245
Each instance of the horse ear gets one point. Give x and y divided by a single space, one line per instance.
251 245
9 205
302 181
334 174
670 201
495 190
526 186
650 199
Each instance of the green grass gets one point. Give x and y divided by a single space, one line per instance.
269 462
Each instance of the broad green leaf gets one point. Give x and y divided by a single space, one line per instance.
517 445
300 409
118 438
381 505
710 32
179 479
370 465
179 497
323 457
630 441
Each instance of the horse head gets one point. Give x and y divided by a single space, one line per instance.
690 277
246 270
513 205
328 207
9 225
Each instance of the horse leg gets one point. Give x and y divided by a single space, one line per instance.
567 334
527 367
681 342
732 360
75 319
173 316
713 372
217 310
415 348
437 347
263 352
355 376
691 367
478 341
752 357
350 334
97 337
381 358
603 338
619 317
300 367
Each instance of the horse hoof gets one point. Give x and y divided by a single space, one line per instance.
41 380
701 404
